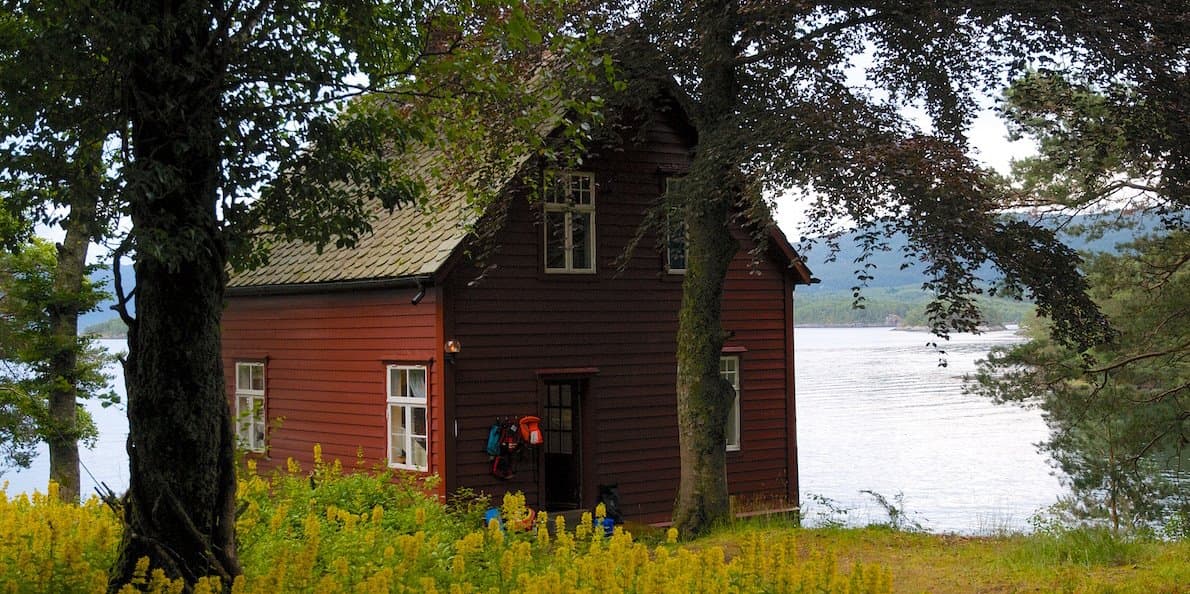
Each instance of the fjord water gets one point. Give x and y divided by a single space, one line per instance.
875 411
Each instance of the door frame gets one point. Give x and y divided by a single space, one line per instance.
582 378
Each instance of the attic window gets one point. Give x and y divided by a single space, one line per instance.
569 204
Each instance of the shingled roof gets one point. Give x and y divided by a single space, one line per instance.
408 242
412 241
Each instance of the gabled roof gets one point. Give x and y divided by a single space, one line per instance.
410 243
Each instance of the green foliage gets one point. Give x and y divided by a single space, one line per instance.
28 344
1106 146
1118 412
898 518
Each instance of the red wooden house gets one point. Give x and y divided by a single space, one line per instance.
351 348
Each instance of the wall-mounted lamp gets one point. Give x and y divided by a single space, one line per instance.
453 347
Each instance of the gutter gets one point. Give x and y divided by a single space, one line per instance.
405 282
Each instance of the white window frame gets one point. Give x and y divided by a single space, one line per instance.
729 369
251 432
669 229
408 404
568 207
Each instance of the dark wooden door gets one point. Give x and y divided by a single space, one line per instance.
561 424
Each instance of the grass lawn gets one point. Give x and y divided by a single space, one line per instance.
1077 561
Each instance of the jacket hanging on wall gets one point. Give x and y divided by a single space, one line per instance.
508 442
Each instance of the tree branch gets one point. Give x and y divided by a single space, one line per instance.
823 31
1161 396
1139 357
247 24
122 300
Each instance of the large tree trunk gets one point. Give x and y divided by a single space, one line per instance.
180 507
64 320
704 398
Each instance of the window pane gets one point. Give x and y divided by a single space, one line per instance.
555 239
257 377
732 436
418 456
677 254
580 188
396 453
419 420
243 377
580 235
243 428
417 384
396 415
555 190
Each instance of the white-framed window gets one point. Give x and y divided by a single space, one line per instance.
729 369
408 432
675 235
250 406
569 204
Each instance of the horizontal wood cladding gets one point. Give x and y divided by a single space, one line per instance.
326 357
517 319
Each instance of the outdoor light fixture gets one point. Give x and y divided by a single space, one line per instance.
453 347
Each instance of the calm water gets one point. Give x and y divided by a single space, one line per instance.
875 411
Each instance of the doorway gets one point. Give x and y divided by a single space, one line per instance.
562 466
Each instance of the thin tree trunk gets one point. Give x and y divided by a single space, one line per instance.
64 315
180 508
704 398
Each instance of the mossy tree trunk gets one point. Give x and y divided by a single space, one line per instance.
704 398
180 508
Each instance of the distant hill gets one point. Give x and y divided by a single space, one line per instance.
839 275
894 296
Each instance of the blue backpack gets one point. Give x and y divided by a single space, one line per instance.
493 448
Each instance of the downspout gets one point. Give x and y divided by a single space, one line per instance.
421 292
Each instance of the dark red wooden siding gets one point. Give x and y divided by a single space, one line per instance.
325 362
518 321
